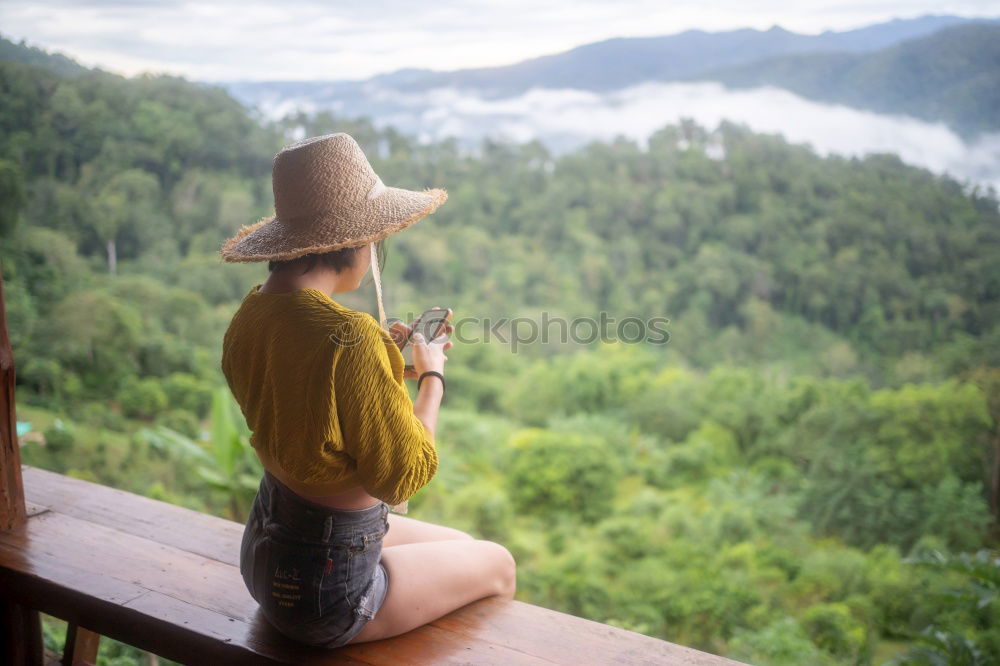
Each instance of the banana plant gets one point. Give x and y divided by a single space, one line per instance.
226 461
938 646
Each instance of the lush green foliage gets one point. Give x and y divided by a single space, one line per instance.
827 404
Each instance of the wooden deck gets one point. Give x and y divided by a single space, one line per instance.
166 579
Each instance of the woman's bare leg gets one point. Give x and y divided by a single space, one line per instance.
432 578
410 530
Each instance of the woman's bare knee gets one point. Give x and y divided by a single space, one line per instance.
430 579
506 576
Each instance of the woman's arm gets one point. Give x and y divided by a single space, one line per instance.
428 402
381 430
427 356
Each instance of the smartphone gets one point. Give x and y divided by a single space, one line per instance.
431 323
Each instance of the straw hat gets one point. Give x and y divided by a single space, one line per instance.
326 197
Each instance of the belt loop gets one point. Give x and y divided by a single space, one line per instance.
327 528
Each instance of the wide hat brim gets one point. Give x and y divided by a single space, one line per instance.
271 239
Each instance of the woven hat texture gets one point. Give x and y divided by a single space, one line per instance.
327 196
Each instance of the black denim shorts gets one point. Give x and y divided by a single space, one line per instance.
315 571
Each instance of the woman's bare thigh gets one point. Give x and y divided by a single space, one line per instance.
410 530
432 578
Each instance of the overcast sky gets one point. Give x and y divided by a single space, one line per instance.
212 40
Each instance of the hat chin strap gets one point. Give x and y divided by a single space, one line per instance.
377 189
377 278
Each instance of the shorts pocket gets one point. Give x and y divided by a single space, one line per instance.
289 580
370 540
362 560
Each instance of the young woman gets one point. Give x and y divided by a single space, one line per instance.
321 387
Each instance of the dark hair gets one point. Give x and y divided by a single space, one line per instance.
338 260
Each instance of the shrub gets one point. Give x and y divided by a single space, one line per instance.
182 421
58 438
561 472
187 392
834 629
142 398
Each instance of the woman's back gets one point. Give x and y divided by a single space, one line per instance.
321 388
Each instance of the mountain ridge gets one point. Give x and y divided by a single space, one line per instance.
643 56
952 75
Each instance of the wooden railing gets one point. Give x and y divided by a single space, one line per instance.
166 579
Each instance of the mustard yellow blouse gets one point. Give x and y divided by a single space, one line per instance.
321 388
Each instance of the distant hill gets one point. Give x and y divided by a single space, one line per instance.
58 118
952 75
621 62
11 51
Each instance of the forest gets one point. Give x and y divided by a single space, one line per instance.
806 472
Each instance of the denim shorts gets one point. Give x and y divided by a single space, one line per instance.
315 571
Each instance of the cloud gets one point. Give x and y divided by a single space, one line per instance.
566 119
313 40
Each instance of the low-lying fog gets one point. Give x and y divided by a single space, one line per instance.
564 119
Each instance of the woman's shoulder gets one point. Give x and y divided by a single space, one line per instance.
352 328
360 341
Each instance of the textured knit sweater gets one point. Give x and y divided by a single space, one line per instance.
321 388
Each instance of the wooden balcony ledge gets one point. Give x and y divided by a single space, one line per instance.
166 579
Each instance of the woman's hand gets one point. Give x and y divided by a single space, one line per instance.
427 355
400 332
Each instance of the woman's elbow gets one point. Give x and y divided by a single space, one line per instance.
404 483
422 471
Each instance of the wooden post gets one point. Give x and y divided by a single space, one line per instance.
81 646
12 511
20 627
